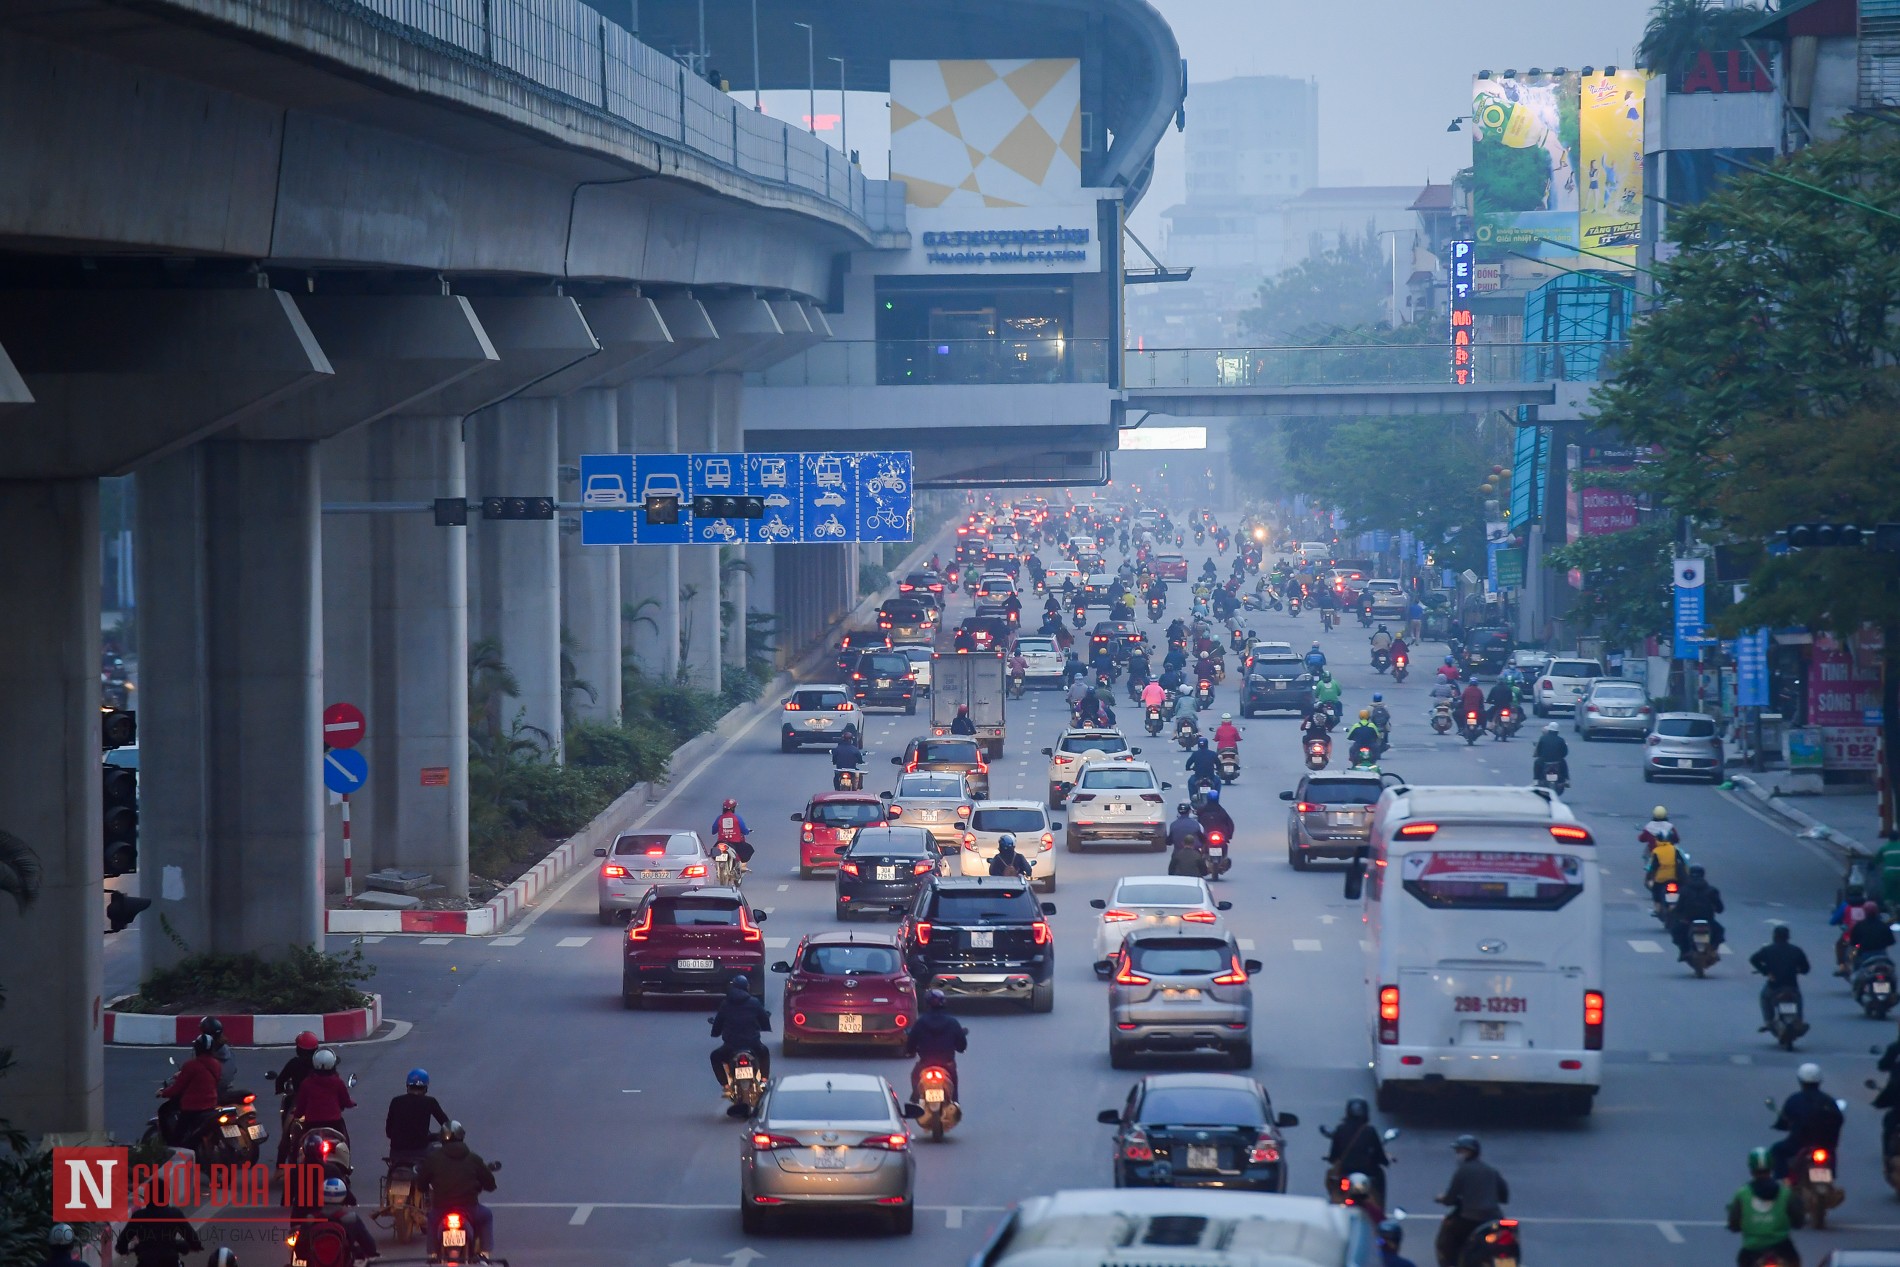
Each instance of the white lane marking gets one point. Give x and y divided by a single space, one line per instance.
1645 947
1743 1059
582 1211
1246 943
1669 1233
953 1217
777 943
507 941
435 941
573 941
370 940
1364 944
1329 919
1303 943
784 887
1658 1057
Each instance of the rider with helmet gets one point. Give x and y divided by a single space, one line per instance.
1364 738
730 830
456 1176
410 1123
1213 817
1551 749
191 1095
1315 659
1380 716
1007 862
1810 1117
1765 1211
339 1207
59 1246
1475 1195
935 1039
289 1077
739 1024
1187 844
1202 765
1227 735
1696 900
963 723
213 1028
1358 1148
322 1097
157 1233
1391 1236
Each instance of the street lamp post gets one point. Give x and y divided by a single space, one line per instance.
757 106
811 79
844 129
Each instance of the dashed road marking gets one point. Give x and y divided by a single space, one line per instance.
1658 1057
581 1212
1646 947
507 941
1669 1233
370 940
573 941
953 1217
784 888
436 941
1305 943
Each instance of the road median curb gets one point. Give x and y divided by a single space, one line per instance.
244 1029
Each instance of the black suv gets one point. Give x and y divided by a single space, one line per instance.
882 869
1276 682
884 679
1487 650
985 937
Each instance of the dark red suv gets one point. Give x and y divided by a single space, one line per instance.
830 820
683 940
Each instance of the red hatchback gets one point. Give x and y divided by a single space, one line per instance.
847 988
830 820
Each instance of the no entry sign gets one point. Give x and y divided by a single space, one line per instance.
342 726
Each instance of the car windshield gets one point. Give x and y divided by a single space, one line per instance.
974 906
1491 880
1574 668
926 788
850 961
1202 1106
1180 956
959 751
1027 820
1687 727
655 843
819 701
1118 778
695 912
1098 743
1344 791
845 813
890 842
816 1105
1158 895
887 664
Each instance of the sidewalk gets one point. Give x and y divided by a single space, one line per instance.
1848 819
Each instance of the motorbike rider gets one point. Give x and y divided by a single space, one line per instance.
289 1076
1400 651
1315 728
409 1124
213 1028
1872 936
1476 1195
739 1024
322 1097
1138 669
1551 750
1007 862
1326 690
1090 711
59 1246
1765 1213
1154 695
1202 764
1449 669
1391 1236
1315 659
963 641
1656 831
845 754
1213 817
935 1039
1810 1117
730 830
456 1176
1502 696
339 1207
1227 735
1381 639
1663 857
963 723
1184 703
1784 964
157 1233
1472 701
1357 1148
193 1092
1121 609
1186 856
1381 717
1363 737
1019 666
1696 900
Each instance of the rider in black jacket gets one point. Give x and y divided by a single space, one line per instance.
740 1023
935 1039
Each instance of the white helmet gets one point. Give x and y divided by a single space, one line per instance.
62 1234
1808 1075
1185 689
1552 728
1227 717
324 1060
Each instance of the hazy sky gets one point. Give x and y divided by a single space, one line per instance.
1391 73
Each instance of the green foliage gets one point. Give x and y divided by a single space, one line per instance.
1350 285
304 980
872 577
1767 379
26 1206
1508 179
1679 29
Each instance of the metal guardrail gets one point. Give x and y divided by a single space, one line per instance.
1355 365
569 51
942 362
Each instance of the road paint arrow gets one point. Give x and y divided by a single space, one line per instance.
740 1257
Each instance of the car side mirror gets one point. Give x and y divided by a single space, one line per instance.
798 816
1286 796
1048 908
758 916
887 796
1253 965
897 761
1223 906
600 853
785 701
1046 752
1109 1117
1099 904
913 1111
780 965
1355 879
1286 1119
1055 826
1166 786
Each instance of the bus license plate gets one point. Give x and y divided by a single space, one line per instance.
454 1238
1491 1031
693 965
1203 1157
887 873
850 1023
983 939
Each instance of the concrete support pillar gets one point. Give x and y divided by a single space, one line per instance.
650 575
699 565
729 437
519 562
590 575
50 958
232 800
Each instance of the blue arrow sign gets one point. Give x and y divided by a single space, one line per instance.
344 770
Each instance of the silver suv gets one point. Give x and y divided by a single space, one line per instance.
1176 990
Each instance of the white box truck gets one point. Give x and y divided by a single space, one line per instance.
974 678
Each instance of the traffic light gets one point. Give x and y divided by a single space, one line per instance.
120 788
1818 536
121 910
517 508
118 727
662 508
705 507
451 512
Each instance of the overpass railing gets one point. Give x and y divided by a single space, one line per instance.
1354 365
569 51
942 362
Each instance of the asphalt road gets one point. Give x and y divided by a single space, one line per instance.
615 1147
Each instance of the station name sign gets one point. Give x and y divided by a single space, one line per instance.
1058 245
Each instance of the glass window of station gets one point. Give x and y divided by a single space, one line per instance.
981 330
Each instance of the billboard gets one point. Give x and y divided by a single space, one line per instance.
1557 163
997 132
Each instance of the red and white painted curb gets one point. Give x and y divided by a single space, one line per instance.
140 1029
481 921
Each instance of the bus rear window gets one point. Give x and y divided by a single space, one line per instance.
1491 880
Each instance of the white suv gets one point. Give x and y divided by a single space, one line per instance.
1562 684
818 714
1027 821
1120 802
1044 660
1073 748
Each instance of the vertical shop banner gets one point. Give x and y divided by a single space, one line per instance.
1611 209
1525 156
1691 595
1751 669
1842 690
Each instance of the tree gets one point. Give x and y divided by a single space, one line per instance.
1627 579
1680 29
1349 285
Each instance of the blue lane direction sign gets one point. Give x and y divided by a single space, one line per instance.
719 475
666 474
884 492
609 500
344 770
830 496
778 480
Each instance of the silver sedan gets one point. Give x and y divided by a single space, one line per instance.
828 1139
1612 707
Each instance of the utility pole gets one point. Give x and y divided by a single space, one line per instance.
844 129
758 107
811 79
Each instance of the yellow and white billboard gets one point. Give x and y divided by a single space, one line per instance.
1610 119
994 132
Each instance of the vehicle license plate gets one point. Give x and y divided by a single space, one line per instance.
887 873
688 965
1788 1009
230 1131
1684 763
850 1023
1819 1174
1203 1157
983 939
1116 809
257 1132
883 681
1341 818
933 1095
1491 1031
1883 987
454 1238
830 1158
1188 993
745 1073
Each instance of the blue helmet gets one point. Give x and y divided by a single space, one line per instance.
1378 698
418 1078
1212 794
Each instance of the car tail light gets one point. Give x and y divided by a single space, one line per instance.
654 851
1589 708
1236 974
849 868
1153 798
798 1018
693 871
922 868
963 811
921 929
765 1143
895 811
1265 1149
639 932
613 871
792 708
1081 798
1389 1015
1048 840
1041 930
1546 685
1135 1146
1653 740
889 1143
969 841
1115 915
1062 760
1201 917
1593 1020
809 831
748 929
846 707
1644 710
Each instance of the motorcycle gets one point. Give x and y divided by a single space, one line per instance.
744 1086
1889 1139
727 869
1494 1244
1552 777
1785 1021
1318 753
1155 607
1506 723
1081 616
1398 667
1338 1186
1016 682
937 1093
1218 863
1237 639
1329 711
1152 720
1186 732
1293 606
455 1239
1473 728
1811 1179
1873 986
402 1201
1229 765
324 1147
1665 906
844 779
1204 695
1381 659
1703 952
1441 717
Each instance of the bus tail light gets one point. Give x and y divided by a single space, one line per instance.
1389 1015
1593 1020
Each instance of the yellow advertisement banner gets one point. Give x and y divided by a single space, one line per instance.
1610 184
